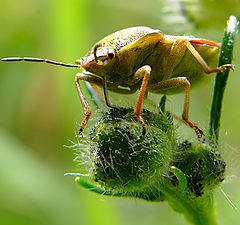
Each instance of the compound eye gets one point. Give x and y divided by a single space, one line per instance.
110 54
103 54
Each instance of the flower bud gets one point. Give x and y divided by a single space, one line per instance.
123 159
202 165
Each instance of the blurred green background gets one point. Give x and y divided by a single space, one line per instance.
40 110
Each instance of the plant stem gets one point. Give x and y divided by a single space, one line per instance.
222 78
197 211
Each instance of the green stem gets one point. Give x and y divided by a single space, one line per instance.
222 78
197 211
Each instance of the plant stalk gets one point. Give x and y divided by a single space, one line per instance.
222 78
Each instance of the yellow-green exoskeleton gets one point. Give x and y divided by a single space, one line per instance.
146 59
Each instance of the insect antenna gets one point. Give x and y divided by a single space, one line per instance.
29 59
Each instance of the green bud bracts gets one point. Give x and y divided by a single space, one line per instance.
202 165
121 160
125 161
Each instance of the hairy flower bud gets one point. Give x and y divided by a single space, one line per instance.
122 159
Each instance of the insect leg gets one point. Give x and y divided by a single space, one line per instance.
175 82
106 95
97 89
145 73
202 62
175 56
176 53
95 83
86 108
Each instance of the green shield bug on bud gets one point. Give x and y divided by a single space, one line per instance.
146 59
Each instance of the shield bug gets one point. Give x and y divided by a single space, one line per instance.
146 59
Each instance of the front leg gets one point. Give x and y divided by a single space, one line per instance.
95 82
141 73
86 108
144 72
106 95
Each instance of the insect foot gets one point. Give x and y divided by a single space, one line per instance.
221 68
84 124
199 132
